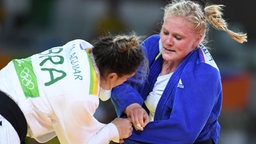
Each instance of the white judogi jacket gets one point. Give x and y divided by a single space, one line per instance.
57 90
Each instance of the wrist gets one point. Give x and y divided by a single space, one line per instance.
114 132
131 107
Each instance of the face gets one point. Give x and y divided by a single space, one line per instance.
178 38
112 80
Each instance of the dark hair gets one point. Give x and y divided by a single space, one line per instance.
121 54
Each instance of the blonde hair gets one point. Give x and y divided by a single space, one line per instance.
212 14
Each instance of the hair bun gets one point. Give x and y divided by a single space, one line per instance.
126 42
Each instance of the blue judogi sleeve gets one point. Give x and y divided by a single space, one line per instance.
128 93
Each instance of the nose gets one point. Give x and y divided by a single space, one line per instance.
169 40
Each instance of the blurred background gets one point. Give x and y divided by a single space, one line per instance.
31 26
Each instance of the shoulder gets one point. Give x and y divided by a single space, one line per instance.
151 45
206 69
201 74
205 57
202 66
79 42
153 39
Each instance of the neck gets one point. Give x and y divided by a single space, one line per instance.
168 67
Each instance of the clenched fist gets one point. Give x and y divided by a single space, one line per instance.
124 127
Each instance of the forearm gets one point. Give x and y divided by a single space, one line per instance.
123 96
105 135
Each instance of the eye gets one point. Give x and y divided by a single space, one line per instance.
165 32
177 37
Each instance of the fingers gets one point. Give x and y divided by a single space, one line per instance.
139 120
130 127
143 121
124 127
138 116
146 119
138 127
134 117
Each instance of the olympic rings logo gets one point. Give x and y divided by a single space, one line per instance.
26 79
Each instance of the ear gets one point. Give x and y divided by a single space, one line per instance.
112 78
197 40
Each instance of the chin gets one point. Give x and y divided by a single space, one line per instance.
167 57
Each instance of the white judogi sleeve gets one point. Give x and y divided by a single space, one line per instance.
78 125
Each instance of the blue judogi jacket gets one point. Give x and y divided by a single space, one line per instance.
190 105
